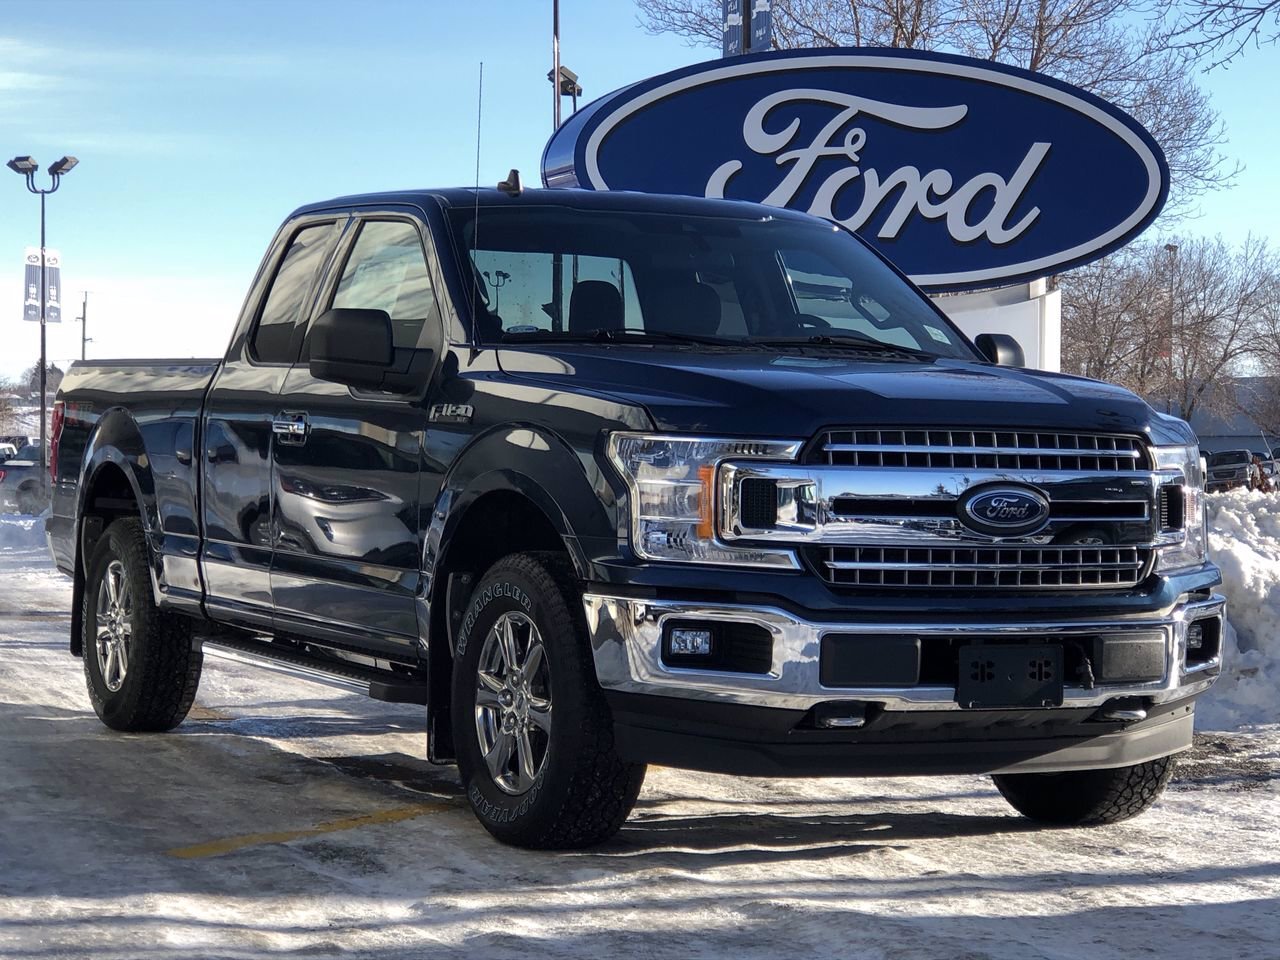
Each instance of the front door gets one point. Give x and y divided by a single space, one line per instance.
235 495
346 524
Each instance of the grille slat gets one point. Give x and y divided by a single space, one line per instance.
1002 566
989 449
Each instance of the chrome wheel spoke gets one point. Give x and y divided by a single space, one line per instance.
498 759
540 714
488 683
486 696
506 630
122 659
532 661
528 772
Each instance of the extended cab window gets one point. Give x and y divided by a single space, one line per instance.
519 288
387 270
273 337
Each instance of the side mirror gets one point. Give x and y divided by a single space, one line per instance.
352 347
1000 349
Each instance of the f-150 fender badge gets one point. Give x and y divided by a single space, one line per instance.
451 413
1004 511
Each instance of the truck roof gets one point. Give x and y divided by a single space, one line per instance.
579 199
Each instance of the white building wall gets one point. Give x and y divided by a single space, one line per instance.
1028 312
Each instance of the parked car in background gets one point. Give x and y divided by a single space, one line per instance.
7 452
1229 469
24 487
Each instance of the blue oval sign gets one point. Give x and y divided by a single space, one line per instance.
1004 511
962 172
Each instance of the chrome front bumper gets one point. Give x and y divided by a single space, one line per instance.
626 638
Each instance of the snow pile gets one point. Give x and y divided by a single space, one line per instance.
21 532
1244 540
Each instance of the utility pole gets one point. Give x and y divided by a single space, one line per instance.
555 59
84 324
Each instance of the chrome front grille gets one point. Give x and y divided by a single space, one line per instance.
1042 567
982 450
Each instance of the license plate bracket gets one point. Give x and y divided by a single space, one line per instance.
1005 675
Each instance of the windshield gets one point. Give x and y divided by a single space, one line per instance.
30 452
1229 456
622 276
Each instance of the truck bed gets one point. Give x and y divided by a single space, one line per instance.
151 409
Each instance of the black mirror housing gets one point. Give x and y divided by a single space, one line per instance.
352 347
1001 349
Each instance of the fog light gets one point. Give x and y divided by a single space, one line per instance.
1195 636
690 643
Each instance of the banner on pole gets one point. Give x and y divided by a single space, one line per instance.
732 24
761 26
53 285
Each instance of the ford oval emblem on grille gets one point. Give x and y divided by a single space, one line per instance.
1004 511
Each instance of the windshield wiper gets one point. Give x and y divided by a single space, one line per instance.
854 341
611 335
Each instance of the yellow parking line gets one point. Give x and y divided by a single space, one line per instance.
215 848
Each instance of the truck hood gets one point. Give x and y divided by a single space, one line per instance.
764 393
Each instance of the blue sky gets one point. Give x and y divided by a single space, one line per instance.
200 125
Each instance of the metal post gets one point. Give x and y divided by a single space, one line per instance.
555 59
84 325
44 363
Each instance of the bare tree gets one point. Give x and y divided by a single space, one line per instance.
1175 323
1108 47
6 407
1220 31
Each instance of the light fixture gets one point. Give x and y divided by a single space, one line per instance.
59 167
23 165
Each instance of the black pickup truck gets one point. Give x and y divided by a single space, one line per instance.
604 480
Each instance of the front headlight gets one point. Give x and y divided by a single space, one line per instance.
1185 547
672 481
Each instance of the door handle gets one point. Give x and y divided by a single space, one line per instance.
291 427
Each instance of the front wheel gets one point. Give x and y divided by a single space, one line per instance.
534 734
1086 797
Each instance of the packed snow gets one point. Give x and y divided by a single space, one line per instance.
1244 541
285 818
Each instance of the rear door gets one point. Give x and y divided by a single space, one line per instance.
237 435
347 527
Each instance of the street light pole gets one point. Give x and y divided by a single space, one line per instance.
27 168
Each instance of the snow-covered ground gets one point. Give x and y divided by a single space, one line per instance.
284 818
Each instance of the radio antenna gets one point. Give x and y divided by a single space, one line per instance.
475 221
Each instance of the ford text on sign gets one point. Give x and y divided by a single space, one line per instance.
964 173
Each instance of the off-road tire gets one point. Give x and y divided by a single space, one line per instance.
1086 797
584 791
160 683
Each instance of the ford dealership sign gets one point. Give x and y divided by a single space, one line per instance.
964 173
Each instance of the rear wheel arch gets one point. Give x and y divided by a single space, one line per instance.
110 491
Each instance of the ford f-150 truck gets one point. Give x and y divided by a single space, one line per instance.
604 480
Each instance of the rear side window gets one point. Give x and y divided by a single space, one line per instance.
273 340
387 270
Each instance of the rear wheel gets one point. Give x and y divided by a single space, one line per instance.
30 501
140 664
1087 797
533 731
